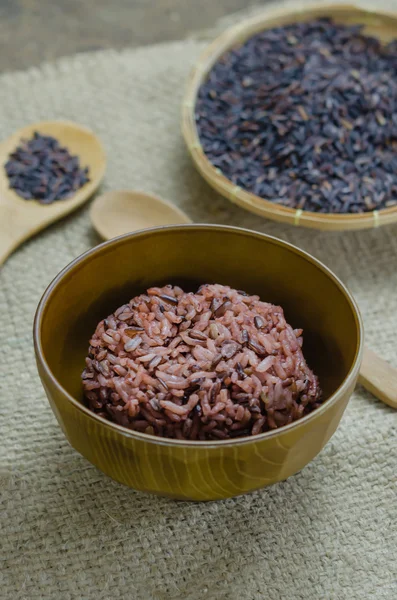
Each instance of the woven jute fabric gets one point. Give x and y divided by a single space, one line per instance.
69 532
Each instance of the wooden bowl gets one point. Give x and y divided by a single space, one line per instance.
377 23
107 276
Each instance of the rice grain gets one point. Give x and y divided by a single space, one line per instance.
212 365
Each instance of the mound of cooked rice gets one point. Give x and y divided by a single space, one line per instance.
212 365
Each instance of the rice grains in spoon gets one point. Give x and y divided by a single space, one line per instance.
19 218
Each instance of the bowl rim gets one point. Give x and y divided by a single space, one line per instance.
225 41
144 437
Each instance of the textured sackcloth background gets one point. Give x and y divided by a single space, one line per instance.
67 531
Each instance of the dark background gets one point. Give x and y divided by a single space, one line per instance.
33 31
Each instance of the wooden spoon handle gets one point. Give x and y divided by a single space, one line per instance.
379 378
7 246
13 231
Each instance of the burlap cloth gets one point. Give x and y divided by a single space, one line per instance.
69 532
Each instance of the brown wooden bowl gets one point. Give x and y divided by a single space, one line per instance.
99 281
377 23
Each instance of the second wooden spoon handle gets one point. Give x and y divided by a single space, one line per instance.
379 378
11 234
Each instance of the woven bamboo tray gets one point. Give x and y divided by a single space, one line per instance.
377 23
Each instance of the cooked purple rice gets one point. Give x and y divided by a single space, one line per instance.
306 116
206 380
40 169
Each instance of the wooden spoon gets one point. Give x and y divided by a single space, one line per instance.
19 218
115 213
379 378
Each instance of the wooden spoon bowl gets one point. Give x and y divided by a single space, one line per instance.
19 218
124 211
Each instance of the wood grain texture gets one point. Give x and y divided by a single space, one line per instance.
34 31
379 24
378 377
200 472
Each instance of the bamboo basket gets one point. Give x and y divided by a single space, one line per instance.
376 23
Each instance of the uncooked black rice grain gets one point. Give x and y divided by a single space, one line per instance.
306 116
41 169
